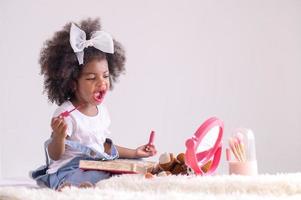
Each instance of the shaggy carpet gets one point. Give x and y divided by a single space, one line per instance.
280 186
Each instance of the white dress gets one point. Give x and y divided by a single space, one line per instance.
88 131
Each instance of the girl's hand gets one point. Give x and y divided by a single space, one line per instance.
145 151
59 128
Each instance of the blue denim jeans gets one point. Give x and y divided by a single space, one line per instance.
71 172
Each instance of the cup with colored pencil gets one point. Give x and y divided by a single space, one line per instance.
241 154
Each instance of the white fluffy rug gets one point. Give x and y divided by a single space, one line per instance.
281 186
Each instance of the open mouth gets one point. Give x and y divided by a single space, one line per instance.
98 96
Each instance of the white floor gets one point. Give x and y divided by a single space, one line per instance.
132 187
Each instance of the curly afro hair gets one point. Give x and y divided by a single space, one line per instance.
60 66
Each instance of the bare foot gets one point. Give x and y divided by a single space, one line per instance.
63 185
86 185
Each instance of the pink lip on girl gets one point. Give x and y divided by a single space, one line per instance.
98 96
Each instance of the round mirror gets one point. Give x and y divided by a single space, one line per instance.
209 139
205 146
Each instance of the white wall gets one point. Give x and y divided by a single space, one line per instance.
187 61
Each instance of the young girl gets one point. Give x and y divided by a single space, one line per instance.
80 64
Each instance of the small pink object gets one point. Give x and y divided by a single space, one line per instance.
151 138
239 136
195 160
67 113
228 154
151 142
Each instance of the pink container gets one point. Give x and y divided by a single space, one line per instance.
243 168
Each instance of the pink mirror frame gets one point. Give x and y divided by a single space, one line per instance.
195 160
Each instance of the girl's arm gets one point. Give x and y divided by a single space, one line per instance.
125 152
56 148
140 152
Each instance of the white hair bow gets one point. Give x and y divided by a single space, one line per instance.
99 39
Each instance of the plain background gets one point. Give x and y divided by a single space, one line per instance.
186 61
